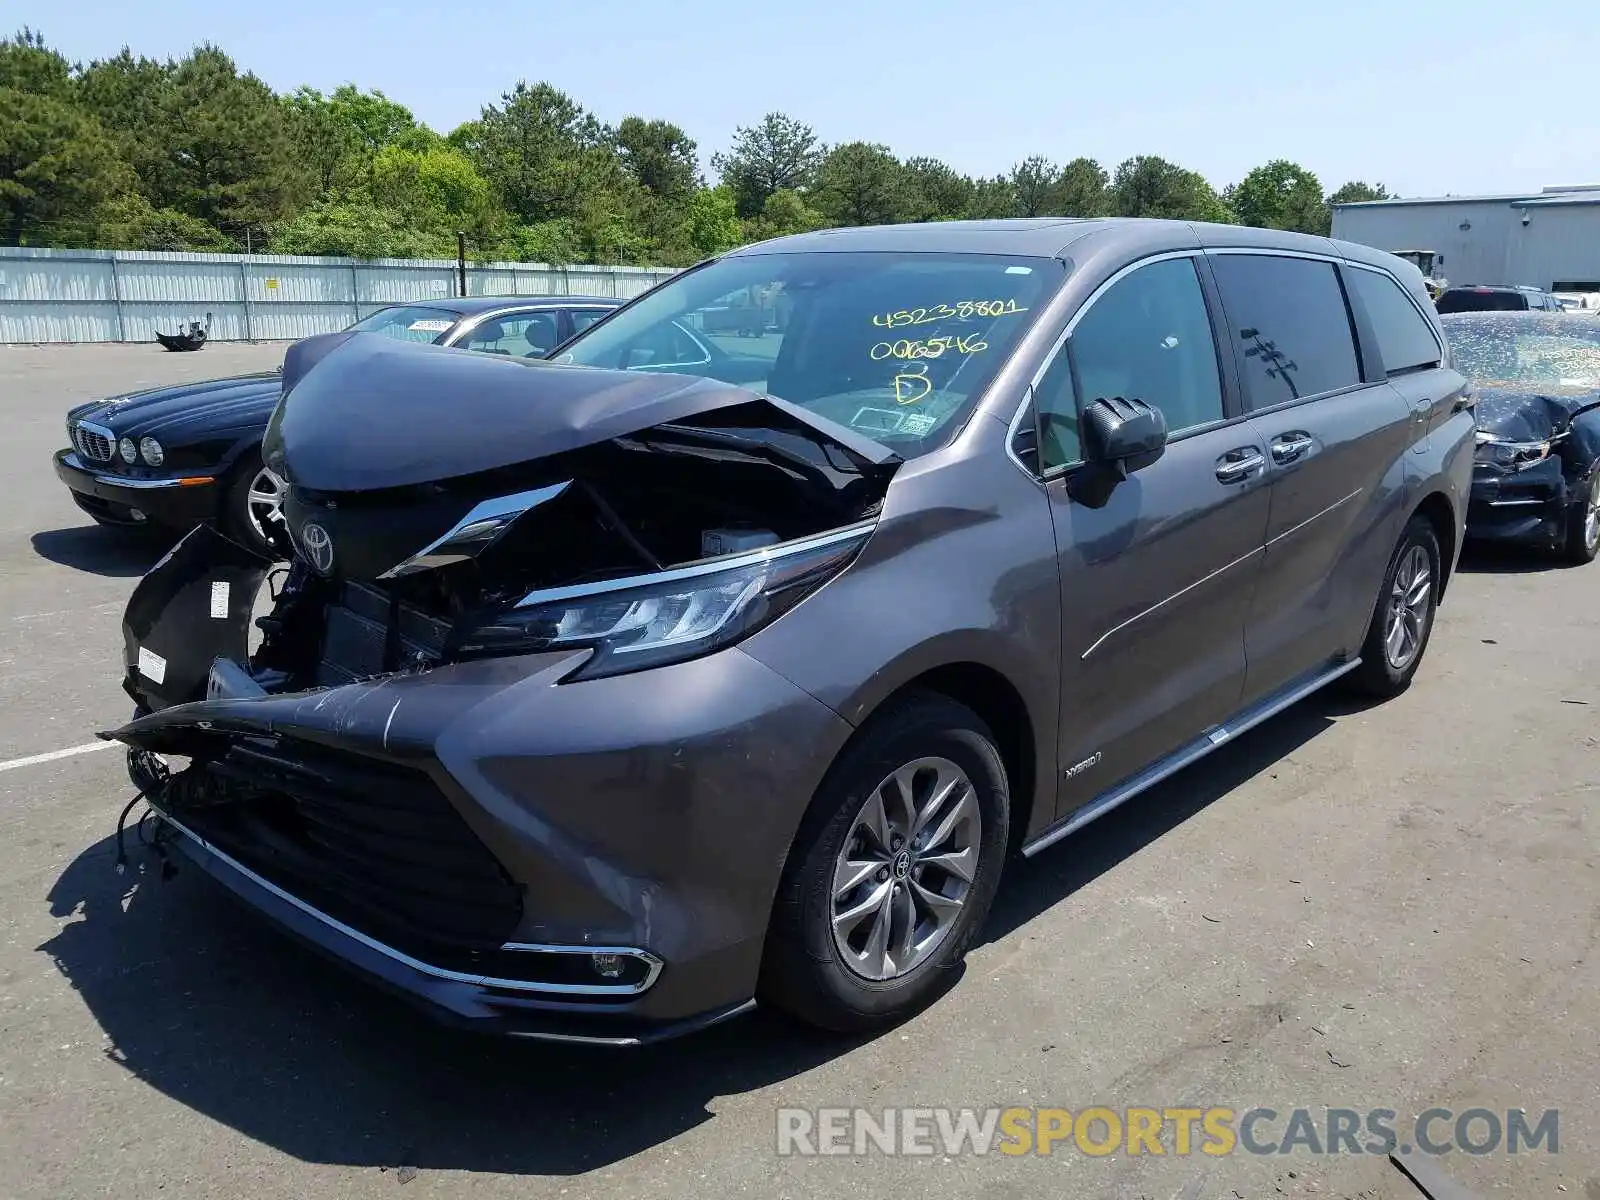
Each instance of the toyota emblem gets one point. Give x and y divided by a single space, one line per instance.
318 545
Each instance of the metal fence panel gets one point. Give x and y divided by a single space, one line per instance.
127 295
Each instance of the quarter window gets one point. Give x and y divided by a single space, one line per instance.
1405 339
1288 318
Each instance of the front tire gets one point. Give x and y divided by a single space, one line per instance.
1583 525
893 871
1402 619
252 508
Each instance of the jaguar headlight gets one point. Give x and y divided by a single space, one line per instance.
150 450
129 452
652 620
1509 455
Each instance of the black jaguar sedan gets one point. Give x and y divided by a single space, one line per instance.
176 457
1536 478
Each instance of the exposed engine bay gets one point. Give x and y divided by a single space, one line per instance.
504 559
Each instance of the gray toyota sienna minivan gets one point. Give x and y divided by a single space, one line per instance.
731 655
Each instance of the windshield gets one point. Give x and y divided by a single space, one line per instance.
410 323
1466 300
892 345
1563 351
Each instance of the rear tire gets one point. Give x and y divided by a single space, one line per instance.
833 944
1402 618
1583 525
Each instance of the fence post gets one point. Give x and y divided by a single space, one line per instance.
244 296
116 296
355 294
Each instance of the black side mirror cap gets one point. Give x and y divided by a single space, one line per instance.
1130 434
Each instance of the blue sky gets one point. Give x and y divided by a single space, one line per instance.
1428 96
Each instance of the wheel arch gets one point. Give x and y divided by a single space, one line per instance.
1440 513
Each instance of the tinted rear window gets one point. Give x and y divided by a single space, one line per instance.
1405 339
1472 301
1289 320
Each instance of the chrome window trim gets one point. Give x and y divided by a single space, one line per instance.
1060 343
468 324
653 964
710 566
1444 351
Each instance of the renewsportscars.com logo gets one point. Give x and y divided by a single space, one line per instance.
1098 1131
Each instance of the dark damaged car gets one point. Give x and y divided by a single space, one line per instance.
189 454
1537 478
605 696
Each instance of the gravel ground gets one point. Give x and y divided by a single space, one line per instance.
1394 907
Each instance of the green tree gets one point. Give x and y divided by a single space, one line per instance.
860 184
785 212
56 168
1033 186
542 152
660 156
28 65
436 191
1359 192
1280 195
356 230
992 198
779 154
1149 186
935 191
1081 190
129 223
714 221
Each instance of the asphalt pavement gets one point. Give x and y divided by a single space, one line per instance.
1393 907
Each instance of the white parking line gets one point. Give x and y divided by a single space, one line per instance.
34 760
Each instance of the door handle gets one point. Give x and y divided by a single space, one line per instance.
1240 464
1287 447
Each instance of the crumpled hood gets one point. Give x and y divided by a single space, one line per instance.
362 412
167 413
1531 414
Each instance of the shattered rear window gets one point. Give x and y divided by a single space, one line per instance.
893 345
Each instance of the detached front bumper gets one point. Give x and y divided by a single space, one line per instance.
171 501
1520 506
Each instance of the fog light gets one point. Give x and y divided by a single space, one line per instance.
608 966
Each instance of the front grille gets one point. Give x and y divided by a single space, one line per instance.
373 844
94 445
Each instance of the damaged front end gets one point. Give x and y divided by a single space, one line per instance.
464 526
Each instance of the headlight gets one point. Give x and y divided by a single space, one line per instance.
651 620
151 451
129 452
1510 456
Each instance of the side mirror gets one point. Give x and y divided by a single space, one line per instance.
1126 435
1119 437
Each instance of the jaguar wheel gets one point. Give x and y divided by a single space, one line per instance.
893 871
254 508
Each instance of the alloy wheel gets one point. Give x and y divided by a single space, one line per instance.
1410 605
263 505
901 881
1591 515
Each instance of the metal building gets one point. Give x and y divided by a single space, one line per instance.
1550 239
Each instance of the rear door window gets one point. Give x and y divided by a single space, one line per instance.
1288 320
1405 339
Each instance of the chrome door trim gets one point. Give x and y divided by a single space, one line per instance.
1186 755
1100 641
